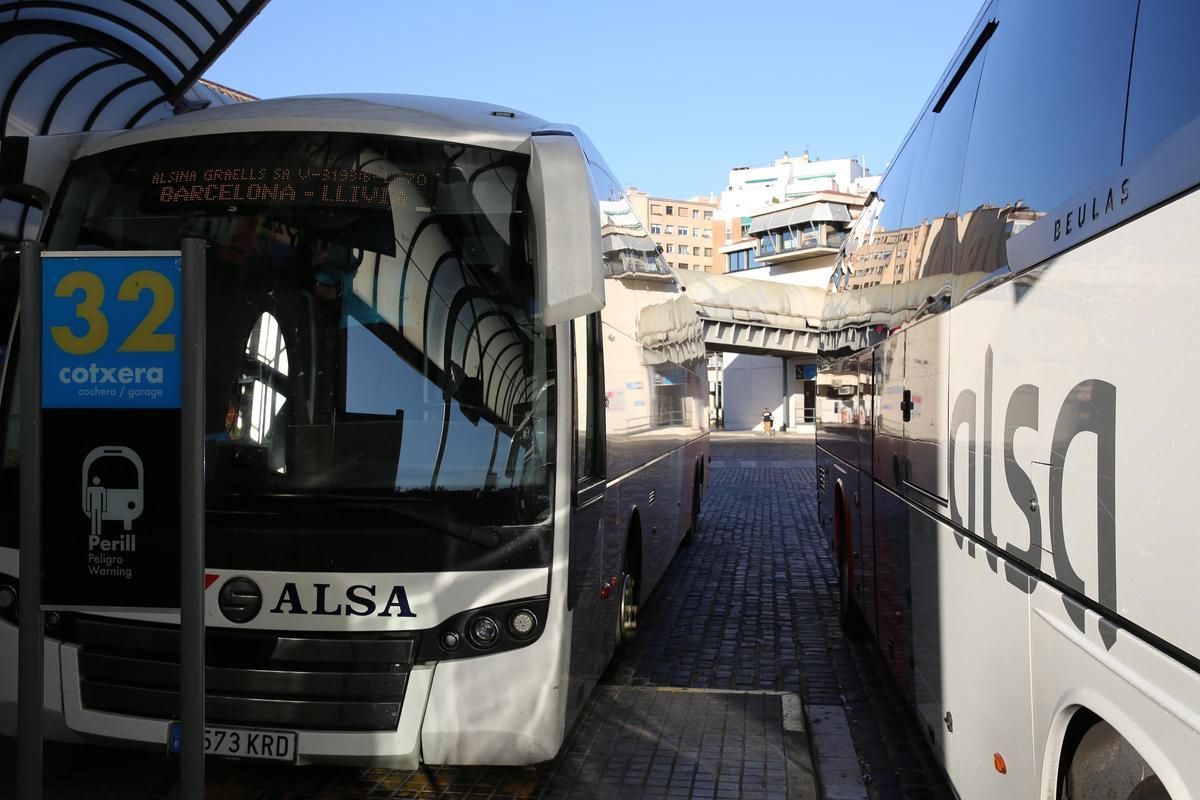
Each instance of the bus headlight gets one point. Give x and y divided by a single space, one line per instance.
522 623
483 631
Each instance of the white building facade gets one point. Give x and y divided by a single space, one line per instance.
791 178
785 223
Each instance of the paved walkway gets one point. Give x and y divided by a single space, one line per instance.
753 605
738 651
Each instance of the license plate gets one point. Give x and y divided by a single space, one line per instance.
241 742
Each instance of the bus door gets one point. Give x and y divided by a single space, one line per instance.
589 566
893 589
864 546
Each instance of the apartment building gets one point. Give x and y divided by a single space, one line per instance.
686 230
791 178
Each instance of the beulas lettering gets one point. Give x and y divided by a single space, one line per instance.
1078 218
359 601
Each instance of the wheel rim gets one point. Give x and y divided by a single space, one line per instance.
628 614
696 508
844 585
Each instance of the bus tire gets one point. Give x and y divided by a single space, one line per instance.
697 492
1100 762
627 604
849 618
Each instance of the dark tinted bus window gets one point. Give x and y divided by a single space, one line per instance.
1050 111
1164 93
933 190
895 185
918 146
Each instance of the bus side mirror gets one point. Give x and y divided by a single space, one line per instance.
32 167
570 265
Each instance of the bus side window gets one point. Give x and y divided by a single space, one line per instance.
1164 89
589 399
10 416
1034 143
10 474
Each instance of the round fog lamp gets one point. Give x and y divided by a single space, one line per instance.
522 623
484 631
8 598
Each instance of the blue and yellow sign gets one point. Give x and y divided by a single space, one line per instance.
111 347
111 330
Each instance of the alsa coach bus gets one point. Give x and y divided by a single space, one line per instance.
1010 498
456 428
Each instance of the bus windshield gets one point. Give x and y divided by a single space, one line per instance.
371 338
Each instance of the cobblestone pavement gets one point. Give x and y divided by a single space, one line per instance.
698 706
753 605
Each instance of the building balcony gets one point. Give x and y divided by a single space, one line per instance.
781 247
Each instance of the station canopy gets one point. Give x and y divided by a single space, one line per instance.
70 66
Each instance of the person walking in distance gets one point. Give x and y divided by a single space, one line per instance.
768 422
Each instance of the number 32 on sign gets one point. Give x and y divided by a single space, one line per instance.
112 321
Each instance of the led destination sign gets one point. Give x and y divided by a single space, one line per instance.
297 186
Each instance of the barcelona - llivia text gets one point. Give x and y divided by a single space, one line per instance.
291 185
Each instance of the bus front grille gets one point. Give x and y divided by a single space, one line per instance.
319 682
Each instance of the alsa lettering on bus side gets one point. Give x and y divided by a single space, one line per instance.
1079 216
1089 407
360 601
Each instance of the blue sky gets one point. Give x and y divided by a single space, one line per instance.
673 94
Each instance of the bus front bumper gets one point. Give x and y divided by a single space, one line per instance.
66 719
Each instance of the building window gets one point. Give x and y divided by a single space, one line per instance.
695 251
682 265
789 239
671 264
740 260
766 244
683 230
655 228
683 212
695 213
708 215
670 210
655 209
670 248
708 252
670 228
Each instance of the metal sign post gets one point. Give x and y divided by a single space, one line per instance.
112 516
191 550
29 671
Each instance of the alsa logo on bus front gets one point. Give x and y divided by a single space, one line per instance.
360 601
240 599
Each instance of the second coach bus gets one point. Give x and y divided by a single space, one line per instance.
1007 460
455 418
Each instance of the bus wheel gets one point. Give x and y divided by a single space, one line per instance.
627 613
848 615
690 536
1105 764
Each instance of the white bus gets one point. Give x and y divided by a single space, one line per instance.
456 429
1011 514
